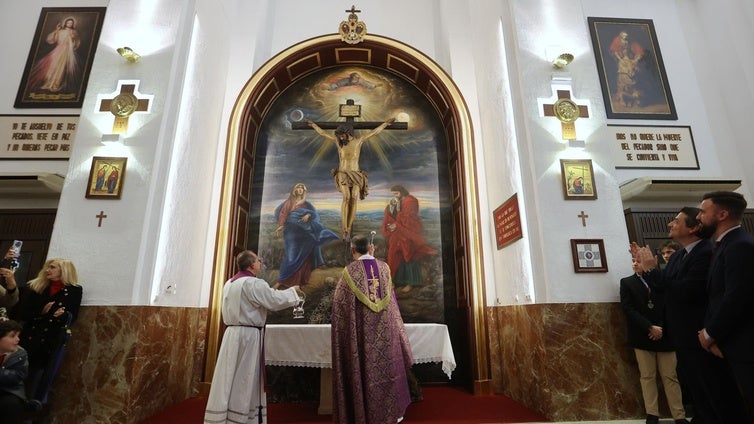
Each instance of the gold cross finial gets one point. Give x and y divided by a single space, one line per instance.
353 30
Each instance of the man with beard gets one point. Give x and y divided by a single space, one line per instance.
684 283
402 228
729 323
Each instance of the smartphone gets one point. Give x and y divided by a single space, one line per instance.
12 262
17 247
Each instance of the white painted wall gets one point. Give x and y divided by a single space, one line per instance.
162 232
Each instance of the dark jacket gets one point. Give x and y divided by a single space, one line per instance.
730 315
13 372
635 300
43 333
683 283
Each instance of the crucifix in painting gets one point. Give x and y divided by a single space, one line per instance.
350 180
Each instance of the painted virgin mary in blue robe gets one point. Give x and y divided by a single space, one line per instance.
303 236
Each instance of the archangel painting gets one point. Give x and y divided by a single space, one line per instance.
353 151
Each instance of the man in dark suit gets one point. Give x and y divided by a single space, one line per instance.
729 322
684 285
643 308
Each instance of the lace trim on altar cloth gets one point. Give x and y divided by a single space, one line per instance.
447 367
304 364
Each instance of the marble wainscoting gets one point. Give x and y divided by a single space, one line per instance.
567 361
125 363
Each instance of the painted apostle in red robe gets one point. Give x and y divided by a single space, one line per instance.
402 228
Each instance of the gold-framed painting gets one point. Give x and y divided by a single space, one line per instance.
632 73
106 178
60 59
577 176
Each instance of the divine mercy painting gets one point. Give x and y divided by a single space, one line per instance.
60 58
353 151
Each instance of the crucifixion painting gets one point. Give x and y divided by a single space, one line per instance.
350 180
309 185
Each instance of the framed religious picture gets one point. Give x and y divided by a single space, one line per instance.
60 57
106 178
577 177
632 74
588 255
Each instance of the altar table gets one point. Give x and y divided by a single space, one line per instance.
309 345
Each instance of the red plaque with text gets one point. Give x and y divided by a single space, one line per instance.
507 222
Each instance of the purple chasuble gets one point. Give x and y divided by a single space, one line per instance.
370 348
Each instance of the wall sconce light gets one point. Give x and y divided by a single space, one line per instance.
111 140
128 54
562 60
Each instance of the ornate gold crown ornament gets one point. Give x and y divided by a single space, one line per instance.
353 30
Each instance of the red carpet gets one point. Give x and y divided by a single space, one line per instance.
441 405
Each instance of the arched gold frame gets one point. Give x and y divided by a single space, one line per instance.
252 104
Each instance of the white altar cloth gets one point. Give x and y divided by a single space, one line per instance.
309 345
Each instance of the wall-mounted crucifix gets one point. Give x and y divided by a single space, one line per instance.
124 102
101 216
583 217
350 180
567 112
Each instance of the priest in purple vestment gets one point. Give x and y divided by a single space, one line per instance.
370 348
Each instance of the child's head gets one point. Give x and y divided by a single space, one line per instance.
9 331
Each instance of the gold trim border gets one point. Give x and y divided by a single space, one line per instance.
480 367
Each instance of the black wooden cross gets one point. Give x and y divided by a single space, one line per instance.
350 110
101 216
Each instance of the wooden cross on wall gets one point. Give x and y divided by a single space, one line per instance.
583 217
101 216
567 112
125 103
349 110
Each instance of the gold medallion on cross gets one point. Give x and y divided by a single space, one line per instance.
567 112
124 103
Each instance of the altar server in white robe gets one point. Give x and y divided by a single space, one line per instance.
237 392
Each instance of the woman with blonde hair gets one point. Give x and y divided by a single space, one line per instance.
47 302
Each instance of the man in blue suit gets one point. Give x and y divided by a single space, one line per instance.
684 284
729 322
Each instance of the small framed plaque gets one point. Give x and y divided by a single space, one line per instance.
588 255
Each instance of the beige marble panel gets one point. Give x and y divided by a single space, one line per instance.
567 361
124 363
